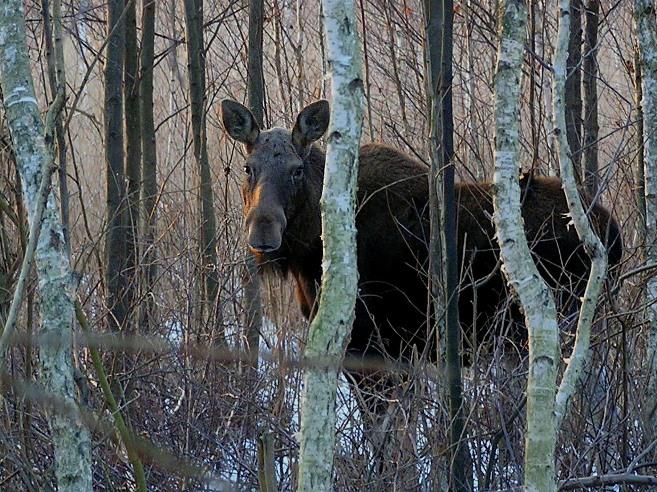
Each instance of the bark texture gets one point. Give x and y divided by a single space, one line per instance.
70 437
196 79
443 249
523 277
132 157
646 29
330 328
590 89
592 244
256 91
115 172
148 161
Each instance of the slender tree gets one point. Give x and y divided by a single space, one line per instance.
590 88
256 93
443 249
592 244
574 82
72 443
521 272
132 155
148 160
330 328
639 181
646 30
56 72
196 81
114 164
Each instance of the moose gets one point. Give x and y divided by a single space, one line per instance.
282 184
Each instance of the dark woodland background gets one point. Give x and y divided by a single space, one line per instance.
177 356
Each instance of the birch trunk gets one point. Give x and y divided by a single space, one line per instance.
522 275
646 29
592 244
330 328
71 439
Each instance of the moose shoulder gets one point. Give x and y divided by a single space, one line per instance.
283 176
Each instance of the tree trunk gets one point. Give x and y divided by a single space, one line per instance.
523 277
256 91
132 157
443 249
592 244
70 437
56 73
590 86
196 78
331 326
574 83
115 251
148 162
646 29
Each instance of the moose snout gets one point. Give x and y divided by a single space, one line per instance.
265 232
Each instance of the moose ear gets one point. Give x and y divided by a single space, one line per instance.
311 124
239 122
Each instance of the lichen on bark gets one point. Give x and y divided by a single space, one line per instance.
70 437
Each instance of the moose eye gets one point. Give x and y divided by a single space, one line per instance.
247 170
298 172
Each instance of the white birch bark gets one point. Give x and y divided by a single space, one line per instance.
522 275
330 328
70 437
592 244
646 31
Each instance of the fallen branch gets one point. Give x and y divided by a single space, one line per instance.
604 480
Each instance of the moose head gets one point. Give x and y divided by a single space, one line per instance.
276 170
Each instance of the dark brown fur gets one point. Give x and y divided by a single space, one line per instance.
392 224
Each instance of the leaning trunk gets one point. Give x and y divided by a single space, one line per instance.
592 244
